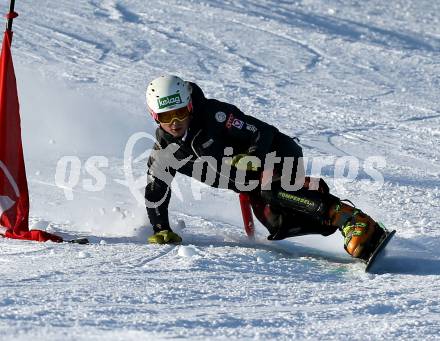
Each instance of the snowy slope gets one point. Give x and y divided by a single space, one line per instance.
349 78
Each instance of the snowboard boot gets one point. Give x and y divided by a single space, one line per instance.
361 233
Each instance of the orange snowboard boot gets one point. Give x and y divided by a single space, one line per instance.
361 233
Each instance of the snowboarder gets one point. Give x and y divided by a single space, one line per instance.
218 144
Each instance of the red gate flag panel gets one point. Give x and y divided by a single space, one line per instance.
14 196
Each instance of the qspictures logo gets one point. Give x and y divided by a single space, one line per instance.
169 101
72 172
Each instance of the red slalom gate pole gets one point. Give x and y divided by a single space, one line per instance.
246 211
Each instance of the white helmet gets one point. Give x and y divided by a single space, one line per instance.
167 93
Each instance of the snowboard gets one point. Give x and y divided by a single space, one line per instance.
379 250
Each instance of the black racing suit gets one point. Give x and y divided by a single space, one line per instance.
218 131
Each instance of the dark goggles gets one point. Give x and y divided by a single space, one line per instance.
180 114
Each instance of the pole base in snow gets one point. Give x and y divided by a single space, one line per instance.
79 241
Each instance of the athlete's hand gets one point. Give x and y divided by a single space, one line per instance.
165 237
245 162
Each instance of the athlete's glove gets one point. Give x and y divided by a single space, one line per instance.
245 162
165 237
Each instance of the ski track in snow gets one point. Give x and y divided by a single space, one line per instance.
349 78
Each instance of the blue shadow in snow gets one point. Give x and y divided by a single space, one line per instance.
408 257
407 266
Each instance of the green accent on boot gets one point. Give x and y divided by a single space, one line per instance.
348 232
346 229
349 227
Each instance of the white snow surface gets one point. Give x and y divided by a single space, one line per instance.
349 78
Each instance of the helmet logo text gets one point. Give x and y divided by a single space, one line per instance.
169 101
